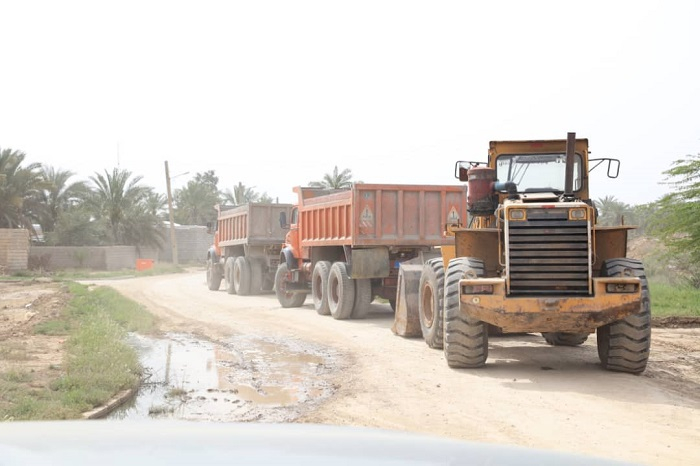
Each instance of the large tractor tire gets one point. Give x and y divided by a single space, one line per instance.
466 342
341 291
363 298
565 339
431 291
624 345
213 275
286 299
241 276
319 287
228 275
256 275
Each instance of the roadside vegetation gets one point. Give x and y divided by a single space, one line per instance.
98 362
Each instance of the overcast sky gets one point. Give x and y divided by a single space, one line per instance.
274 94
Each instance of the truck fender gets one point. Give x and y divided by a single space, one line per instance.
288 257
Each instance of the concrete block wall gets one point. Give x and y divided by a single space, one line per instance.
193 241
89 257
14 249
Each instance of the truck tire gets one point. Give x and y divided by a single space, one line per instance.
341 291
228 275
285 298
430 301
466 342
213 275
319 287
241 276
256 275
565 339
623 346
363 298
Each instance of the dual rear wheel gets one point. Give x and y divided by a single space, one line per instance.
335 293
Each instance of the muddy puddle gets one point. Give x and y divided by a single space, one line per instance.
244 378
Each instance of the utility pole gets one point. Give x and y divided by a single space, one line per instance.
173 241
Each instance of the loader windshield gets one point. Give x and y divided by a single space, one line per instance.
537 172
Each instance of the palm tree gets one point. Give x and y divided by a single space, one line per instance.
613 212
335 180
19 190
241 194
120 200
58 195
194 204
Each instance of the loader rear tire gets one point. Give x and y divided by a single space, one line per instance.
431 291
363 298
624 345
565 339
319 287
241 276
213 275
341 291
228 275
286 299
466 338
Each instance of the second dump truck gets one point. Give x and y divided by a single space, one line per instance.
345 246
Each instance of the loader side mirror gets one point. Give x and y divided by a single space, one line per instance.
613 166
283 220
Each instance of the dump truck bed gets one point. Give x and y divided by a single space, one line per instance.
254 224
380 215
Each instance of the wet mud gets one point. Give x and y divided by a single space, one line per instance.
243 378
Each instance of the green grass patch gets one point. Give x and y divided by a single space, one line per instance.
98 363
674 300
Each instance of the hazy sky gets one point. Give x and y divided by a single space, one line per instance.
274 94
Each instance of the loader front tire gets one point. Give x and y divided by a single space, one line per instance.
430 301
624 345
466 342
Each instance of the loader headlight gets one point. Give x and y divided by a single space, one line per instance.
477 289
621 287
516 214
578 214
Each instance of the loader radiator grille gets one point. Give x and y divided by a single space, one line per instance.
548 254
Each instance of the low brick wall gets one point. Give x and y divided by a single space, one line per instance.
193 242
88 257
14 249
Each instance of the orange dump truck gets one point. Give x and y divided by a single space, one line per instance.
246 247
345 246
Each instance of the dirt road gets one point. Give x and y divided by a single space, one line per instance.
529 394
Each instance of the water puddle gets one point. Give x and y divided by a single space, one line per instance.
244 378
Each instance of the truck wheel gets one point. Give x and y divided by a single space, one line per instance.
466 339
624 345
256 275
241 276
430 301
319 287
565 339
392 303
363 298
341 291
286 299
228 275
213 275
